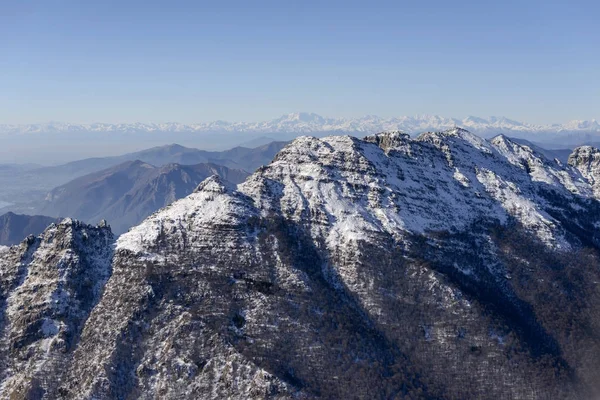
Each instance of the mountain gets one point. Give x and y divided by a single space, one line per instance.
312 123
129 192
14 228
587 161
560 154
444 266
23 188
64 141
239 157
48 287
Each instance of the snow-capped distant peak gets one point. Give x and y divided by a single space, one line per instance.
304 122
215 184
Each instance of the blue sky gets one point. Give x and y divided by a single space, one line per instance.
189 61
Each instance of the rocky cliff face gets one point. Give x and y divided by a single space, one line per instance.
441 267
49 285
587 160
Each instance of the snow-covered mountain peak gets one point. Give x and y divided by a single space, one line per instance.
584 155
456 138
358 187
386 183
215 184
477 120
309 148
214 202
389 139
455 132
509 147
591 125
500 138
510 174
302 117
310 123
71 225
586 160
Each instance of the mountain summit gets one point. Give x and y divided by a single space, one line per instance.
444 266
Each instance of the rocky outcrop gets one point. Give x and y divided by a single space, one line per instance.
587 160
49 285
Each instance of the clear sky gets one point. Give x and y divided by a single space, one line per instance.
191 61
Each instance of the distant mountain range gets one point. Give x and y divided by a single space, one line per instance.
314 123
122 189
66 142
20 185
244 158
14 228
126 194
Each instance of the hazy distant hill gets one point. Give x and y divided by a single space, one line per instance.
126 194
239 157
14 227
23 186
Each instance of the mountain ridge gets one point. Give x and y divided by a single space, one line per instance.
444 266
127 193
21 187
176 153
314 123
